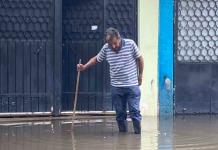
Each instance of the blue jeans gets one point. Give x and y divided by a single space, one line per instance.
121 96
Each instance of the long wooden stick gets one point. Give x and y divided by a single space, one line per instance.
76 94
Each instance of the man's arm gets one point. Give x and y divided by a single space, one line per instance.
140 63
93 61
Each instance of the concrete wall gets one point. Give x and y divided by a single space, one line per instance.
148 12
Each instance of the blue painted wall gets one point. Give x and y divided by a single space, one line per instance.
165 64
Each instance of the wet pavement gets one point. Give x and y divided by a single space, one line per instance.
182 132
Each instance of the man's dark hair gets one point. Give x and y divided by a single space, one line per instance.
111 33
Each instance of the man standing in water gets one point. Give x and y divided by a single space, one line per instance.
126 68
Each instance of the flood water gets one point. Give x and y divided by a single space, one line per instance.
182 132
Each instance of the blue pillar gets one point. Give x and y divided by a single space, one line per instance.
165 60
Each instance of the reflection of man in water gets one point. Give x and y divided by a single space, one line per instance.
124 60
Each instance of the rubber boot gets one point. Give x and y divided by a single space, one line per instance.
122 125
137 126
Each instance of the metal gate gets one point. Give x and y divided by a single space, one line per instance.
27 49
196 56
84 23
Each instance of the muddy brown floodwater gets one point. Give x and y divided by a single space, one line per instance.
165 133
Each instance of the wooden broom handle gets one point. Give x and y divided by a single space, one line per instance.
76 93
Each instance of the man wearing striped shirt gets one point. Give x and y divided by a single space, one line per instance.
126 68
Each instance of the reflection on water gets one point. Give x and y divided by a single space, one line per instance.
196 132
165 133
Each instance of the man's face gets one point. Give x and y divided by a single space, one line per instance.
114 43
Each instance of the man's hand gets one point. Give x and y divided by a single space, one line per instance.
80 67
140 63
91 62
140 79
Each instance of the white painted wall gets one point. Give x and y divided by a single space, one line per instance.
148 44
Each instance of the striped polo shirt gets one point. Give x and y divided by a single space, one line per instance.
123 67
